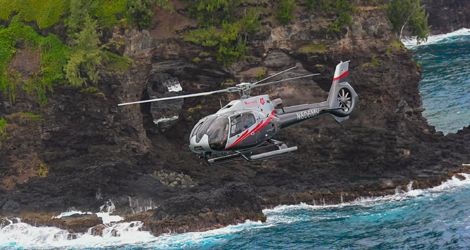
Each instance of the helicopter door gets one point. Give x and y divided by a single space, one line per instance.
241 122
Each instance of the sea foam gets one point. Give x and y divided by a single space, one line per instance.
411 42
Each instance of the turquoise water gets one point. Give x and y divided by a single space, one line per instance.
437 218
446 81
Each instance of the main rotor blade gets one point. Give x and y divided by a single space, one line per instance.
285 80
273 75
181 96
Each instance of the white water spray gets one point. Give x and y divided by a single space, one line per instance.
411 42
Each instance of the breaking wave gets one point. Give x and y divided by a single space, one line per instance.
433 39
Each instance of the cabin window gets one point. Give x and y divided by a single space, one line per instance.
241 122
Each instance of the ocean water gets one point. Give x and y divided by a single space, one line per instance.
436 218
446 79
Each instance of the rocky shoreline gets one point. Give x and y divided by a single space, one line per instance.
94 151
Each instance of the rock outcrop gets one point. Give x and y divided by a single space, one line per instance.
203 211
447 16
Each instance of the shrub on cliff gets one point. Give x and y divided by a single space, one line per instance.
284 11
341 8
228 45
250 21
141 11
3 125
53 57
409 15
213 12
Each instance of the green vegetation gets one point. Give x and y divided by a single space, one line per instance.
250 21
48 12
196 59
93 90
3 128
213 12
221 30
22 116
313 48
397 45
284 11
76 63
86 55
53 58
204 54
341 8
409 15
261 73
116 64
141 11
43 170
373 63
228 46
90 90
191 110
310 5
227 83
45 13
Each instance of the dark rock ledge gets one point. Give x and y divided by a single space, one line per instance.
232 204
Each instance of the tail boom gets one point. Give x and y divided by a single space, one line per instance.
342 100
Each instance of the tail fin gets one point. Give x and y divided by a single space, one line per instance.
342 99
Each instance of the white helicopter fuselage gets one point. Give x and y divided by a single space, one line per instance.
233 123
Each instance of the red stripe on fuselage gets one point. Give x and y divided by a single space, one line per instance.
256 129
341 76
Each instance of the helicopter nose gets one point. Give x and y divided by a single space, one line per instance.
201 146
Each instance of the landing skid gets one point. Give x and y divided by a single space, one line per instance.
250 155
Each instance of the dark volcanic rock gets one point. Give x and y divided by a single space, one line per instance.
231 204
449 15
165 113
77 223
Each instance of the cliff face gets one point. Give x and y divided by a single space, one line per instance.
447 16
87 150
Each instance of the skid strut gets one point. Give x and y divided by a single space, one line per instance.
250 155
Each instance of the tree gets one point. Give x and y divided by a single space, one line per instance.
86 56
409 15
284 11
141 11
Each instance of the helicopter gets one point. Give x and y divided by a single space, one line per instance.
243 128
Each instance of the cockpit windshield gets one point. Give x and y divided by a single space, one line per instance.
201 130
216 128
218 133
219 127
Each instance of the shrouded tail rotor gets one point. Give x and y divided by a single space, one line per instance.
342 98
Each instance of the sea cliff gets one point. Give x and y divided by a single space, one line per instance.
85 150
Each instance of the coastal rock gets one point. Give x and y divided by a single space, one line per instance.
447 16
77 223
232 204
